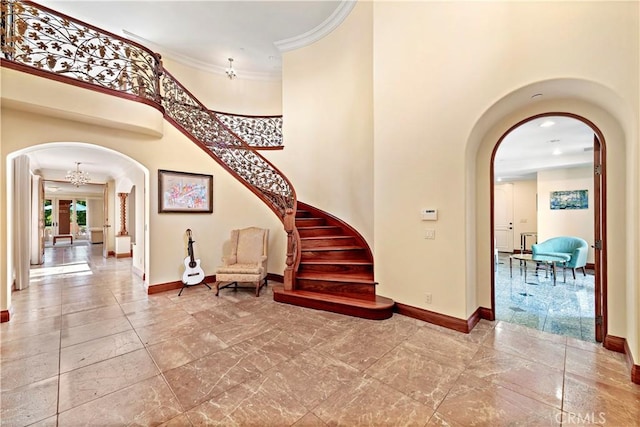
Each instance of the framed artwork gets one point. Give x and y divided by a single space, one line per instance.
574 199
184 192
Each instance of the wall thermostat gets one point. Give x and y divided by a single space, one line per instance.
429 214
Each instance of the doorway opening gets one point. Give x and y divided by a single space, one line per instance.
548 181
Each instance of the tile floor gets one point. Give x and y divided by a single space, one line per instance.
564 309
87 347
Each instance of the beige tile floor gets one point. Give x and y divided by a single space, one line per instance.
87 347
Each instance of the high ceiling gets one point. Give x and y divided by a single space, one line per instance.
207 33
255 33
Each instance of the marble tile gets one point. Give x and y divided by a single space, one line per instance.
258 402
240 329
416 375
272 348
149 402
474 401
90 352
448 348
202 379
310 420
21 372
367 401
10 331
527 346
92 331
357 348
601 367
26 405
588 397
183 349
168 329
523 376
180 421
90 382
22 348
324 373
86 317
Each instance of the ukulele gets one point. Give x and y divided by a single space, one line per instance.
193 273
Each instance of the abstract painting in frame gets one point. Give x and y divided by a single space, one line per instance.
184 192
574 199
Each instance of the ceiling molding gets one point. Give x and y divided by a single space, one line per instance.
315 34
198 64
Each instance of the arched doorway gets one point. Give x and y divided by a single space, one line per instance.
108 168
599 218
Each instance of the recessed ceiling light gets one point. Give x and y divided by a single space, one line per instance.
556 152
499 179
547 124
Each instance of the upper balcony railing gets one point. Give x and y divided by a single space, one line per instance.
38 40
262 132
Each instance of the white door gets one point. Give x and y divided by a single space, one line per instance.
503 217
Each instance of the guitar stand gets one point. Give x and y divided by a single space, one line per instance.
184 285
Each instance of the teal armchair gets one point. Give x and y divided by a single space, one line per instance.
573 249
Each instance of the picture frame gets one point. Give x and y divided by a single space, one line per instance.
567 200
184 192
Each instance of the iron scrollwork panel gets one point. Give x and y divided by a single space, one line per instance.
35 37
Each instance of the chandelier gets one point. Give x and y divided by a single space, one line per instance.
77 177
231 73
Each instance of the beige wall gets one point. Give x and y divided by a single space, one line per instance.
572 222
238 96
400 108
440 110
234 205
328 122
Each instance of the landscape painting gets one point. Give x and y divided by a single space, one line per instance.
574 199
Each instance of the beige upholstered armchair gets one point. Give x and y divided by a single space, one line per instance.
247 261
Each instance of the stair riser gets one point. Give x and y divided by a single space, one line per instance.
328 242
334 307
351 290
302 214
356 255
316 232
309 222
336 268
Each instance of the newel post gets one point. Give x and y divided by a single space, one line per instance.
289 225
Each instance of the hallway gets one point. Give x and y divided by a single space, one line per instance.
86 346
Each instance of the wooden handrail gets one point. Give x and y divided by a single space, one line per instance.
41 41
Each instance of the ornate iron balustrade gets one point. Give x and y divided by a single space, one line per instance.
38 37
257 131
185 110
56 45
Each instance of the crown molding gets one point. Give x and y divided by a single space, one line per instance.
315 34
198 64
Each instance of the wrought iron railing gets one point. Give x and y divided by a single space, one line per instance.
257 172
38 38
257 131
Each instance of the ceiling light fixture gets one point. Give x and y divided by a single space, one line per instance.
547 123
231 73
77 177
556 152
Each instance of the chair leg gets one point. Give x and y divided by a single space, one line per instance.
584 271
217 288
573 270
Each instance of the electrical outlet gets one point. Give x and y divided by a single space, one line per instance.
427 298
430 234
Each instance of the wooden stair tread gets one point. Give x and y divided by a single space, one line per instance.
378 309
333 236
332 248
337 277
310 227
336 262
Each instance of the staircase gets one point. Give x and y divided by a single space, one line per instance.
329 266
335 272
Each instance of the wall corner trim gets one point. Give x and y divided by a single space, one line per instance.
620 345
449 322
